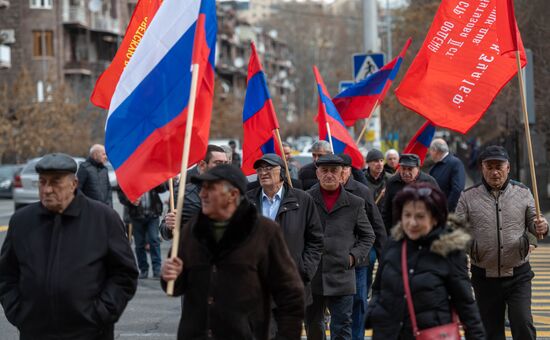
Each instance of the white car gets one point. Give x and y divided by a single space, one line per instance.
25 184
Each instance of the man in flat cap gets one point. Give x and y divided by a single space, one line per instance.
376 176
295 212
66 267
501 214
348 239
232 262
408 172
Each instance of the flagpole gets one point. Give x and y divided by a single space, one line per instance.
184 165
280 142
171 188
367 122
528 137
330 138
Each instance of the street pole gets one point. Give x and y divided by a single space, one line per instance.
372 44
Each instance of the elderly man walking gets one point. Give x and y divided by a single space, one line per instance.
501 213
231 264
448 171
307 173
66 267
348 239
93 176
295 211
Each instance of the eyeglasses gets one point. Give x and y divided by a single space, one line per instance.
422 192
264 169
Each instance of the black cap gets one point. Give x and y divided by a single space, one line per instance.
494 152
56 162
345 158
409 159
271 159
374 155
329 159
223 172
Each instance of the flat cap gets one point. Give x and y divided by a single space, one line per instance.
409 159
345 158
56 162
374 155
329 159
223 172
271 159
494 152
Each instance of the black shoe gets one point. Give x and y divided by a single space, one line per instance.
143 275
156 276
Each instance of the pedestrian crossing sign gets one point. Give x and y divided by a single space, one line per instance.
366 64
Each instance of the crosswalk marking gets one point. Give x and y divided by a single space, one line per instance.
540 302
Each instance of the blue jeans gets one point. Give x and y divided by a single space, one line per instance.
146 230
359 304
340 308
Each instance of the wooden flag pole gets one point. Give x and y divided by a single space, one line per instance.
184 164
367 122
171 187
330 138
280 142
528 137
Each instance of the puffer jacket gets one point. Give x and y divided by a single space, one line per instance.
438 279
499 226
93 181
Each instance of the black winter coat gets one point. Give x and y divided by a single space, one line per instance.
301 228
93 181
69 275
438 279
347 231
191 206
393 186
229 285
373 214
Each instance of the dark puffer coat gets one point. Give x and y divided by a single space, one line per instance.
438 278
93 181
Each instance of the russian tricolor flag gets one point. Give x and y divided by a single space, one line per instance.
359 100
328 115
148 112
421 141
259 117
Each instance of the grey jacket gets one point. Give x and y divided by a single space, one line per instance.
499 226
347 231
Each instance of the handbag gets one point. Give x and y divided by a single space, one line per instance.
448 331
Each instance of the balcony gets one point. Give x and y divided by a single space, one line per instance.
75 15
81 67
105 23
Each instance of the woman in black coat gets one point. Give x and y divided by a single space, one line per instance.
437 265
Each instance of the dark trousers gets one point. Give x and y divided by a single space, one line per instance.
146 230
359 304
340 308
493 295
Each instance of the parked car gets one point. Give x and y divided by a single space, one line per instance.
112 175
7 172
25 184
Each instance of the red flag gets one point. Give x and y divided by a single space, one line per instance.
421 141
106 83
459 69
259 118
506 27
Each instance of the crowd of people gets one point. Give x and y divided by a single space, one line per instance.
266 259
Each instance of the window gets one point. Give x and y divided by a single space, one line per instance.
44 4
42 43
